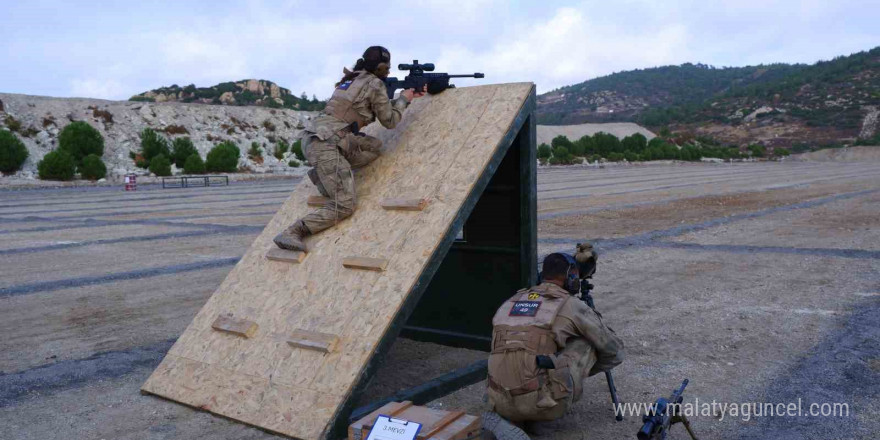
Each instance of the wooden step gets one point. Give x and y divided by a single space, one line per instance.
404 204
323 342
366 263
286 256
317 201
236 326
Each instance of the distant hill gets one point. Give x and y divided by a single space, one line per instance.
778 104
257 92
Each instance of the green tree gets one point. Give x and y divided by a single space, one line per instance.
757 150
544 151
607 143
152 145
781 152
160 165
586 144
194 165
635 142
181 149
92 167
13 153
561 141
79 139
57 165
223 158
690 152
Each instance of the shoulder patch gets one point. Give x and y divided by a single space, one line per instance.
534 295
344 86
525 308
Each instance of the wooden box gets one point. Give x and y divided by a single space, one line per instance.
437 424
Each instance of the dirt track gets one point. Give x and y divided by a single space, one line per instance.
759 282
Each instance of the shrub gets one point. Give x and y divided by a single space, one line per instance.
297 150
194 164
175 129
615 157
561 141
181 149
293 163
12 124
103 114
280 148
607 143
160 165
92 168
782 152
268 125
152 145
223 158
255 151
13 153
544 151
636 143
57 165
79 139
757 150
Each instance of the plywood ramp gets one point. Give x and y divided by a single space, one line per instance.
439 151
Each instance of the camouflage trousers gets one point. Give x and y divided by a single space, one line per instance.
573 365
333 160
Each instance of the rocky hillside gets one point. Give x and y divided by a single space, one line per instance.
38 120
829 102
257 92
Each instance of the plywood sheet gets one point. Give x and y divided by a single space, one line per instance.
440 149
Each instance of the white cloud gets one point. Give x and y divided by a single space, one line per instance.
128 48
571 47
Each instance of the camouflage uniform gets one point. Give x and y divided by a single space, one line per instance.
560 327
333 149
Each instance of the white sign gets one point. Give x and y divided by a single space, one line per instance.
388 428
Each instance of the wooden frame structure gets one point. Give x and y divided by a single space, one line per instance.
320 326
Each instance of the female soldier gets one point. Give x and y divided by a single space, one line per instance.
334 146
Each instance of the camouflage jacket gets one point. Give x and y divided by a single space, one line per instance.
362 101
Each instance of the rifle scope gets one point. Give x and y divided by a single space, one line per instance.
427 67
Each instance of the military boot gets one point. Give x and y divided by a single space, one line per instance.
292 237
313 176
502 429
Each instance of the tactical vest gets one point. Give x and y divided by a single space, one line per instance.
525 322
341 104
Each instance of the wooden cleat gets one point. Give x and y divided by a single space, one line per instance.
317 201
286 256
236 326
323 342
376 264
404 204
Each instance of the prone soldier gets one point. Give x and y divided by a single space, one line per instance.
544 343
334 145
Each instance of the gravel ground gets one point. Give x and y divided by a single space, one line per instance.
759 282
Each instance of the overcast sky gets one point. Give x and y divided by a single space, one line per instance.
103 49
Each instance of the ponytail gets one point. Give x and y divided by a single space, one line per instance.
349 75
